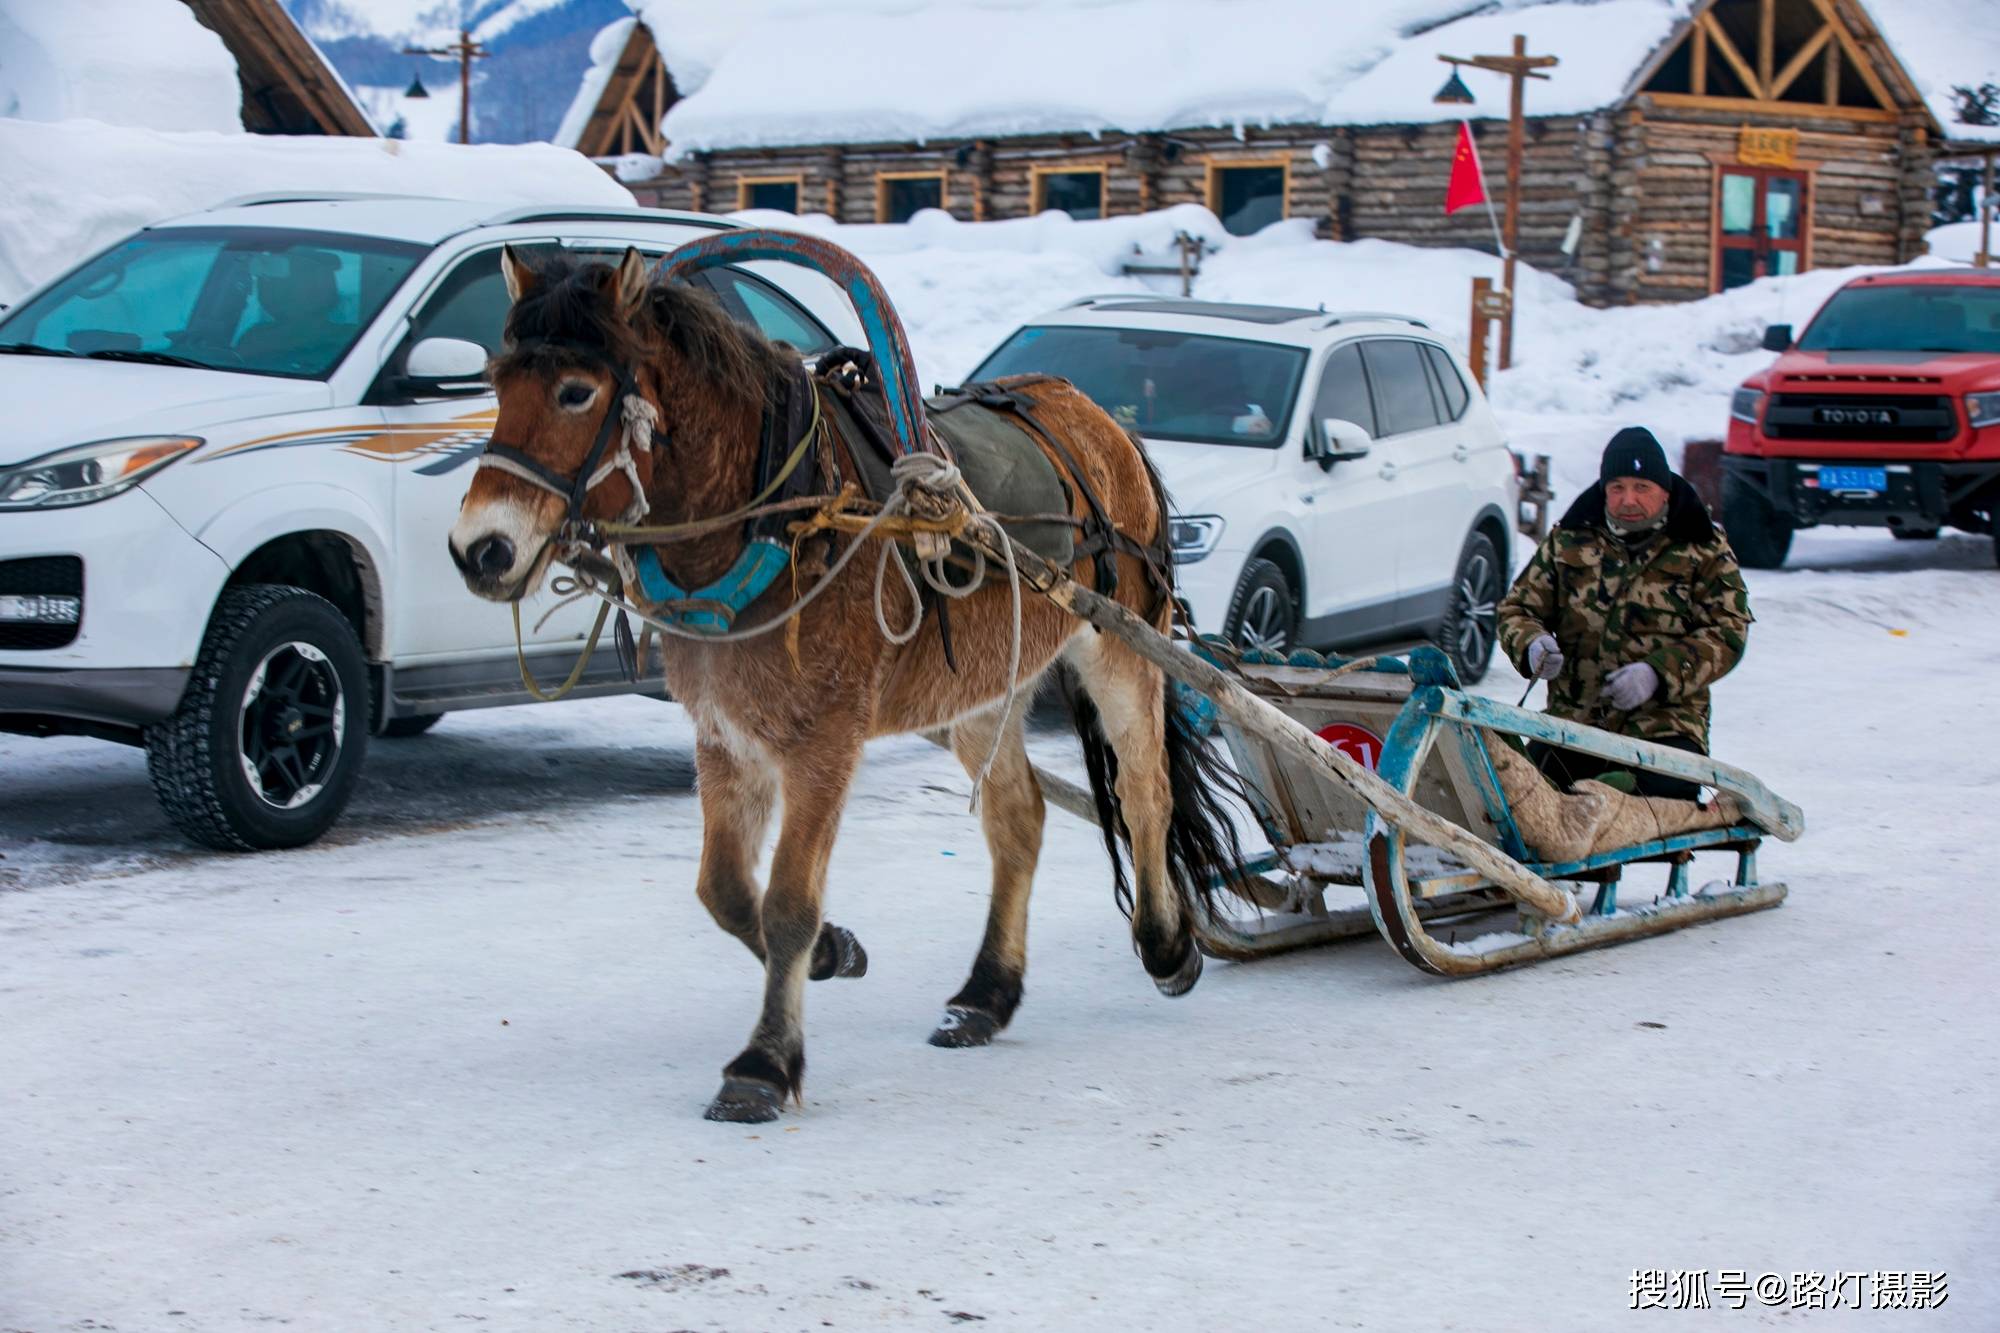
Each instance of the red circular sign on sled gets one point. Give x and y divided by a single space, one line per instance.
1361 745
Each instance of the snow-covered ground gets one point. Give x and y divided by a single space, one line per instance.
446 1069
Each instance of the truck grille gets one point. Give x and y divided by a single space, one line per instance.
40 576
1904 418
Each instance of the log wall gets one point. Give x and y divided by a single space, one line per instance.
1641 177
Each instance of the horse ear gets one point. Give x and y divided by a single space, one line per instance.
632 281
521 280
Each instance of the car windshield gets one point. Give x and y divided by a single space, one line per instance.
1907 318
262 301
1174 386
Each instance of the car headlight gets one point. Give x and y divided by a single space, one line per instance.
1194 537
1983 409
1743 404
85 473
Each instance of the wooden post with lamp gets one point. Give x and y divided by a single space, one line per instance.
466 51
1519 67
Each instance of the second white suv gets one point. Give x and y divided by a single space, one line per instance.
1336 479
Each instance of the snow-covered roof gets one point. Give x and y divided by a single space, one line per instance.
1944 44
124 62
776 72
605 49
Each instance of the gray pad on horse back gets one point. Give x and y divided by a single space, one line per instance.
1000 459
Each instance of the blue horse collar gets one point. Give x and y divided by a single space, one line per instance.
713 609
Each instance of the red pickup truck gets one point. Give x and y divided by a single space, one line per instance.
1884 413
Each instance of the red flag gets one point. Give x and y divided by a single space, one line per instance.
1468 182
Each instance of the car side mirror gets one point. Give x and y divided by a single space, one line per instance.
445 366
1337 440
1777 337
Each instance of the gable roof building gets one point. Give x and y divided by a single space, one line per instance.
1699 143
288 86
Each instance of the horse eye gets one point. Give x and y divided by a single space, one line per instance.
575 395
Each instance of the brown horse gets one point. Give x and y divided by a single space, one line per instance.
583 337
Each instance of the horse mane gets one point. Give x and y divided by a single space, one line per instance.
570 315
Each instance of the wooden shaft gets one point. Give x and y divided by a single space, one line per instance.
1516 132
1254 715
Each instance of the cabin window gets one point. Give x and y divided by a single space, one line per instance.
1077 193
775 192
899 197
1247 197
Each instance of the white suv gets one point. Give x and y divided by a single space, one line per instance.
1336 479
236 443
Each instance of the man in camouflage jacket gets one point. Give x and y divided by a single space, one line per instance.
1631 608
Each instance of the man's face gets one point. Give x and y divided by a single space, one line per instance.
1633 500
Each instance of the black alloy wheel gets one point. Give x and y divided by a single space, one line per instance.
291 725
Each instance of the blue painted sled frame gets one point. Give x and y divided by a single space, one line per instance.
1399 905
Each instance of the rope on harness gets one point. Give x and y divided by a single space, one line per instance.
926 482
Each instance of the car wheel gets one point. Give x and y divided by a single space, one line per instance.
1263 616
268 740
1759 534
1472 621
401 727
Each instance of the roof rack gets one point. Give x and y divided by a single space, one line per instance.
1095 297
1367 316
525 213
306 197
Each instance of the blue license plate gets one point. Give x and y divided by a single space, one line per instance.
1872 479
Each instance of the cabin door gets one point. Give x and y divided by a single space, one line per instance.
1760 224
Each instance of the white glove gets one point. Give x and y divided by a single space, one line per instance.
1631 685
1545 657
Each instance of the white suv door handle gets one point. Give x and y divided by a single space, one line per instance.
1388 472
1461 453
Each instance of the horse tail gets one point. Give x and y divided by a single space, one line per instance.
1203 849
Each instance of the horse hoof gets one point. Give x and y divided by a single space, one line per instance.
964 1026
1183 978
837 954
745 1101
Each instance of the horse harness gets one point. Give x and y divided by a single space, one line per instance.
794 429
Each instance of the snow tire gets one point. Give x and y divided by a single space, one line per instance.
1263 609
1471 624
1759 534
196 758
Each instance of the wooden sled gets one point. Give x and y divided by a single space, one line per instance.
1441 915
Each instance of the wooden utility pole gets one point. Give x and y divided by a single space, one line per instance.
1519 67
467 51
1986 214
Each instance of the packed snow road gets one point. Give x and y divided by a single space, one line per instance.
446 1070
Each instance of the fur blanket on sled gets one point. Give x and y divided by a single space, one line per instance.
1596 818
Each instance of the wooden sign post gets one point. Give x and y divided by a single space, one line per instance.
1489 306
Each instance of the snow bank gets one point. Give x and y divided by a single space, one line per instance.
1958 241
956 68
129 62
76 187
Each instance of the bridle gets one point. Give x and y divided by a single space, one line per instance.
629 408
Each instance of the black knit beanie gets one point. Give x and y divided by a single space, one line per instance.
1633 452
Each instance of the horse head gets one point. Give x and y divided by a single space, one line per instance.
620 398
